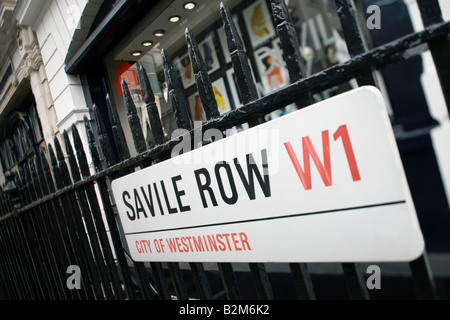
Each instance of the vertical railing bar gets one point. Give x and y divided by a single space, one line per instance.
354 39
158 134
109 213
247 90
4 278
75 214
66 249
296 68
302 280
290 47
356 45
200 280
183 115
151 108
177 281
261 281
246 86
37 291
13 288
29 275
64 217
87 214
199 275
103 139
141 146
10 187
139 142
50 262
117 130
96 213
40 237
356 285
229 281
133 120
204 86
52 243
16 261
423 278
37 252
36 257
179 105
20 242
4 272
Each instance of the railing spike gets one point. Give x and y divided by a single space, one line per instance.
81 155
133 119
202 80
234 41
71 157
92 145
47 173
103 138
288 40
241 66
55 168
152 109
179 105
117 130
62 163
246 85
41 177
37 194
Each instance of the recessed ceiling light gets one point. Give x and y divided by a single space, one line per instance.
174 18
146 43
159 33
136 53
189 5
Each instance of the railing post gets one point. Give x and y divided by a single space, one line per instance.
423 278
179 104
204 86
241 67
354 39
109 213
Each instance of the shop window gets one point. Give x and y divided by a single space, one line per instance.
320 40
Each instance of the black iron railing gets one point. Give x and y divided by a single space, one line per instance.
51 210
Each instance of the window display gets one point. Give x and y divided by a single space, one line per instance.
320 42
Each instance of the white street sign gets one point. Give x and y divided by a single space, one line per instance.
322 184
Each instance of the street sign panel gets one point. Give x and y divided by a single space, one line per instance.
322 184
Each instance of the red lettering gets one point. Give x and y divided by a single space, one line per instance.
172 244
198 243
244 240
227 235
235 241
147 242
324 168
177 240
183 241
308 150
221 246
343 133
138 246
